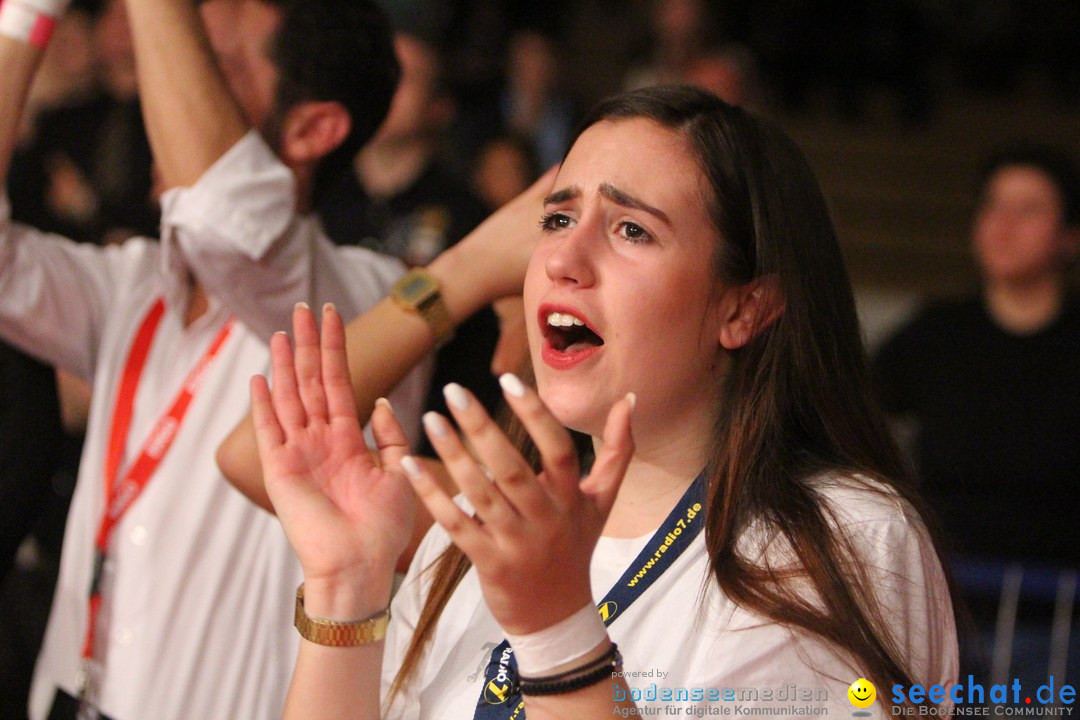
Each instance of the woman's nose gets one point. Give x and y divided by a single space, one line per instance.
572 260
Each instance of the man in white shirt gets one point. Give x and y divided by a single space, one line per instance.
190 610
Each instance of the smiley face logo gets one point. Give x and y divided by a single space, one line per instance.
862 693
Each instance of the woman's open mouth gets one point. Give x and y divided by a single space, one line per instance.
569 334
568 338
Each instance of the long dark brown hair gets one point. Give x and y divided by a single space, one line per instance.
796 403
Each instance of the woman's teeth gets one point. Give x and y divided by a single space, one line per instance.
557 319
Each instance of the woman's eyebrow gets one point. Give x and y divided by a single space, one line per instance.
626 200
563 195
611 193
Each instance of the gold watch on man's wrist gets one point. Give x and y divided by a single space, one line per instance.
339 634
418 291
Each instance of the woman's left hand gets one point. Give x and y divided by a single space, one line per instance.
532 537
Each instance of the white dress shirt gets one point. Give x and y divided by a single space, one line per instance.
199 583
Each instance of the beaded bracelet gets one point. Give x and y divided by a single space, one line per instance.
589 674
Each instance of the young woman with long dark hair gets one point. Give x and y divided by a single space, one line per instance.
746 524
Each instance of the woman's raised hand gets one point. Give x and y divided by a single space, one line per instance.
347 515
532 537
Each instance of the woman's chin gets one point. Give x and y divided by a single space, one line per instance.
574 413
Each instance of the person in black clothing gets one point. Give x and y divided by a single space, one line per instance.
993 381
993 385
401 199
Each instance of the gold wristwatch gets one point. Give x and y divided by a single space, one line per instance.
340 634
418 291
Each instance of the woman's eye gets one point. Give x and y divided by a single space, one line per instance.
555 221
634 233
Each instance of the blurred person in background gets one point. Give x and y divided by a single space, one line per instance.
84 170
504 167
596 63
689 46
730 72
992 385
531 101
679 32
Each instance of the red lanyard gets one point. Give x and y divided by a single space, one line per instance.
120 494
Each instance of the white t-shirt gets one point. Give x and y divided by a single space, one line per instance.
683 633
199 584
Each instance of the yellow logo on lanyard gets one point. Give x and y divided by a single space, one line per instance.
495 692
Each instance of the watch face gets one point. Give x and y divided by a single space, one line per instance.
416 285
419 292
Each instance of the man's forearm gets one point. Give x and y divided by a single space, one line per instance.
190 114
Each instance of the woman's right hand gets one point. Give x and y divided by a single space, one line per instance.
531 534
347 515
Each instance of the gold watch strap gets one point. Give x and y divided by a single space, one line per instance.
339 634
438 317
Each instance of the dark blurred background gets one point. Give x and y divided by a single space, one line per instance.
895 102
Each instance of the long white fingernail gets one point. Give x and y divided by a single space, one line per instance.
632 398
512 384
383 402
455 395
302 304
411 466
434 424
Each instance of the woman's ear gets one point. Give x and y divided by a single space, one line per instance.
748 309
313 130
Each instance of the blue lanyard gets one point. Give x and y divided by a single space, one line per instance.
500 698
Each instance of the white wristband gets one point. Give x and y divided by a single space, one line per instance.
52 8
566 640
27 21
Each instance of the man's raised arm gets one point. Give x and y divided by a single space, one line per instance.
191 116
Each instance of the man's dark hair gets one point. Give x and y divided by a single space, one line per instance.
335 50
1054 162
